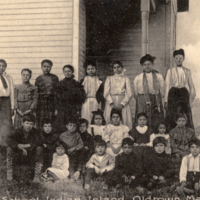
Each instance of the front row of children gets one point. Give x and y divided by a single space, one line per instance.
117 159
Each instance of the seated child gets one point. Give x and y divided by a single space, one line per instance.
60 164
97 127
88 141
180 137
100 164
128 166
115 133
161 132
190 170
48 140
157 165
74 148
141 133
23 148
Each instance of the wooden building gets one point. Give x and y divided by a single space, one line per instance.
68 31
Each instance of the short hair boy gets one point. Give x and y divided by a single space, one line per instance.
48 140
157 165
88 141
23 148
190 170
74 148
128 166
100 164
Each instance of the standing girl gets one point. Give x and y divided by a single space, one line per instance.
70 95
148 92
60 164
6 104
161 132
115 133
91 84
117 92
97 126
26 98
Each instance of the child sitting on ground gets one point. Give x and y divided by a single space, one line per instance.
128 167
190 170
161 132
23 148
115 133
48 140
157 165
100 164
141 135
74 148
60 164
97 127
87 139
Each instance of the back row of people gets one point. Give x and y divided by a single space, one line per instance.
59 100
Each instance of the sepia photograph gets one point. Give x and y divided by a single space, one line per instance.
99 100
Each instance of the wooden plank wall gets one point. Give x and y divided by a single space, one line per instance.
129 54
33 30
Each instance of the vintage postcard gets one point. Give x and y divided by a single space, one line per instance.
99 100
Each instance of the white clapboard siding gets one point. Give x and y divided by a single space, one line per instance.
33 30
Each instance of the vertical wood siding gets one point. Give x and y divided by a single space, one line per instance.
33 30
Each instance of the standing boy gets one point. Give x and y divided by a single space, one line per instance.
47 99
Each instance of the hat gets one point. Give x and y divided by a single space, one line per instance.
158 140
179 52
147 57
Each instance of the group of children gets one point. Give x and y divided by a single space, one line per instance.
50 137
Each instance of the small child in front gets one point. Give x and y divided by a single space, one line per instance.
60 164
190 170
157 165
115 133
74 148
100 164
128 167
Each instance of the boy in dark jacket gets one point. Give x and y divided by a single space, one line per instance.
48 141
128 167
88 141
157 165
23 148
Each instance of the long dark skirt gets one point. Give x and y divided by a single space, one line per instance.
178 102
5 119
45 109
155 115
65 113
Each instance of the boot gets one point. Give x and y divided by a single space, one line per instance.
9 169
38 168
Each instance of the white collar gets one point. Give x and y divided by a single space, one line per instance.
142 130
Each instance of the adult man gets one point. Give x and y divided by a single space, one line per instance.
179 91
